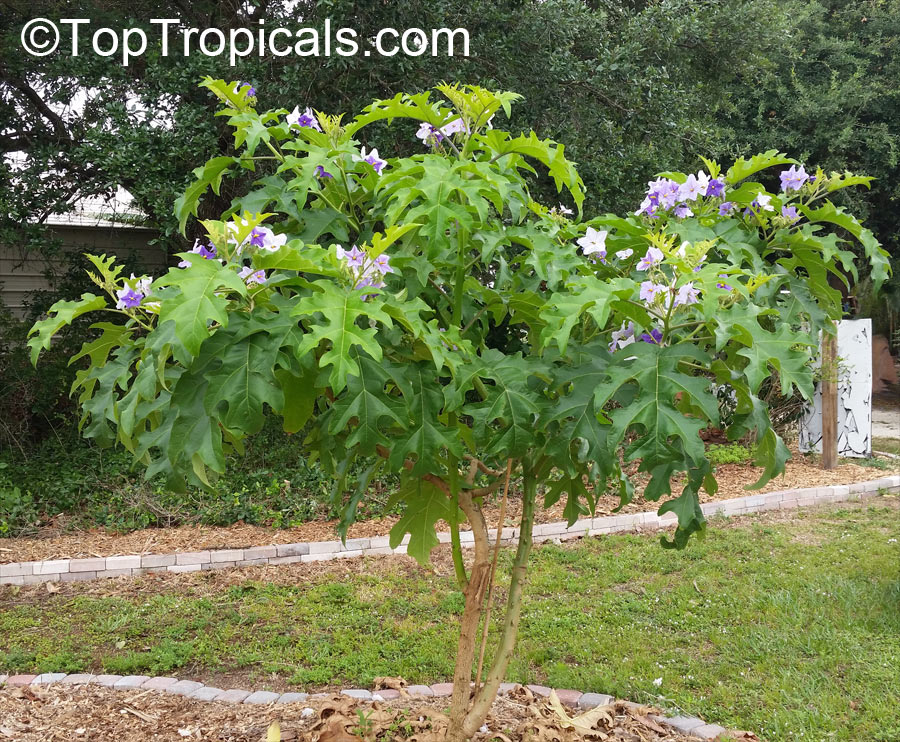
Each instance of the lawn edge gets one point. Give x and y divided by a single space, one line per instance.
94 568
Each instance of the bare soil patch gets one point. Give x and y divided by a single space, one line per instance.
55 544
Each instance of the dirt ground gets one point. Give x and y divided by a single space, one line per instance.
97 714
54 543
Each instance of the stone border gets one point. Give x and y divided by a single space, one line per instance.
573 699
77 570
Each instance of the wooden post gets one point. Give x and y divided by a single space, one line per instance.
829 400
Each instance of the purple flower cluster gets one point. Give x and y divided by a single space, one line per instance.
366 272
133 293
793 179
246 88
665 193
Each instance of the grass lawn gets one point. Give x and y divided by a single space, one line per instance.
787 624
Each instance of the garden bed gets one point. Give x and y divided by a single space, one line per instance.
36 714
55 543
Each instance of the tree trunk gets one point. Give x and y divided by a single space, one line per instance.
465 722
468 630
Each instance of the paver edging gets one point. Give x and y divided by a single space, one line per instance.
70 570
576 700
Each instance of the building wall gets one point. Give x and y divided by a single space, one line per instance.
21 274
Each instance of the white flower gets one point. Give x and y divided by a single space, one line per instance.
658 682
623 254
763 200
565 211
593 242
454 127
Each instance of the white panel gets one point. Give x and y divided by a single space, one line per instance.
854 350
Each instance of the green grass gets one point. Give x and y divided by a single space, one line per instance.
888 445
790 629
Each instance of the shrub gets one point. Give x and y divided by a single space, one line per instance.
367 307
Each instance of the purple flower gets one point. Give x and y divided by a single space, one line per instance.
622 337
429 134
692 188
682 211
648 207
593 242
207 252
128 297
723 285
266 239
133 293
306 119
354 257
251 276
687 295
321 172
669 195
257 237
725 208
654 255
372 158
382 264
715 188
650 290
654 337
790 212
793 179
246 88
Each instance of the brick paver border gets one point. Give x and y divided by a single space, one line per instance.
76 570
574 699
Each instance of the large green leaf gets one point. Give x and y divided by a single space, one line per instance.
60 314
424 505
198 297
340 310
745 168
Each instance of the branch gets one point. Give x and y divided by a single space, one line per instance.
59 126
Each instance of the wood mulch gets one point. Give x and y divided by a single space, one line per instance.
215 583
54 543
98 714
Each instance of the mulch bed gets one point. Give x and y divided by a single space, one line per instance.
53 543
98 714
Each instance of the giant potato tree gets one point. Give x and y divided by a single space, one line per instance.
358 298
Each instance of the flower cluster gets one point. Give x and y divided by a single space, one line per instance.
260 237
434 135
665 193
367 272
307 119
133 293
794 179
